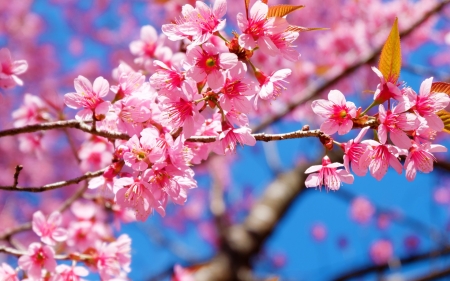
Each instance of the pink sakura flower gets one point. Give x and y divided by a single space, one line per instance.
132 112
166 79
337 110
271 86
95 154
82 235
396 122
89 97
258 29
48 229
283 41
327 175
34 110
149 47
230 136
169 182
135 194
378 157
7 273
141 152
70 273
130 82
381 251
200 150
427 103
353 150
9 70
113 258
386 89
34 143
38 257
197 24
205 62
237 89
361 210
183 112
420 158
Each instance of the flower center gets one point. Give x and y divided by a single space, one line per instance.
210 62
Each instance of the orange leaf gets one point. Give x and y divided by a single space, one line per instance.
391 56
440 87
302 28
445 117
282 10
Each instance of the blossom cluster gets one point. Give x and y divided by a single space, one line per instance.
82 232
411 124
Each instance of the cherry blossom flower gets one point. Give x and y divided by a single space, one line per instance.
420 158
361 210
135 194
207 62
271 86
7 273
141 152
165 79
327 175
9 70
427 103
337 110
70 273
130 82
257 28
34 110
89 97
230 136
386 89
353 150
38 257
379 157
48 229
114 258
237 89
381 251
197 24
396 122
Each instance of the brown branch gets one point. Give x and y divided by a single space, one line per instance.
55 185
15 252
313 90
16 175
75 124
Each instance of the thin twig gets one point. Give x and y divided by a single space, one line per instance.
55 185
16 175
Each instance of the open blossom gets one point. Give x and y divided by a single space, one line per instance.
70 273
48 229
386 89
230 136
140 152
206 62
379 157
166 79
34 110
197 24
89 97
396 122
420 158
9 70
113 258
130 82
337 110
7 273
327 175
258 29
38 257
353 150
150 46
271 85
427 103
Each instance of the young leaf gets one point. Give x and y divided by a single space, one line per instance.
440 87
282 10
303 29
445 117
391 56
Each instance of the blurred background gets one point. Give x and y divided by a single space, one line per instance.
393 229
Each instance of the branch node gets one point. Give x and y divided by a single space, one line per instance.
16 175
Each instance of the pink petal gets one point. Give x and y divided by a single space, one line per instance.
220 8
361 134
329 127
228 60
425 87
345 176
437 148
82 85
312 180
101 87
246 41
410 169
435 122
337 97
395 164
313 168
216 80
149 34
322 108
72 100
400 139
382 133
345 127
19 67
